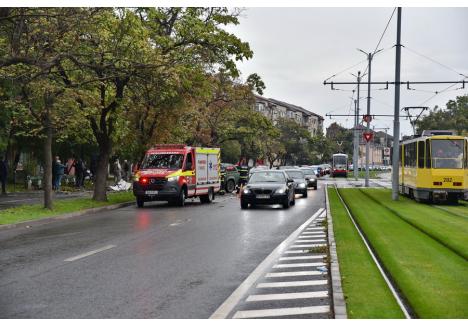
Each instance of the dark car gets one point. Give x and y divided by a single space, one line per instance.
229 177
300 183
268 187
310 177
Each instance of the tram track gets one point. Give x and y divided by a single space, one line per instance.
399 298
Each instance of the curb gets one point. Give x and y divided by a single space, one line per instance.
47 220
339 304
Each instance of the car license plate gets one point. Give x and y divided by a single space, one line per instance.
263 196
151 192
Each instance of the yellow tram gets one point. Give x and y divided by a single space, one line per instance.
434 167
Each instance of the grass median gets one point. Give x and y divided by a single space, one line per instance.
365 291
447 228
35 212
430 275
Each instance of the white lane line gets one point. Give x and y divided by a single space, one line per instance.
89 253
309 246
312 236
292 274
310 241
295 252
314 232
287 296
297 265
281 312
316 229
291 284
302 257
229 304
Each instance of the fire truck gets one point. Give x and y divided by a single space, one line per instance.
173 172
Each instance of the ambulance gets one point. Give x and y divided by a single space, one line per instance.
173 173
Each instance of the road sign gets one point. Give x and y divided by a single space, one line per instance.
367 117
386 151
367 136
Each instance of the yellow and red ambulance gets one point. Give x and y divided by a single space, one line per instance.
174 172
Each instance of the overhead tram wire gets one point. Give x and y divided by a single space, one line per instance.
344 70
437 93
435 61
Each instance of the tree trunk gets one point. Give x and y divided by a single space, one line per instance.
47 182
100 184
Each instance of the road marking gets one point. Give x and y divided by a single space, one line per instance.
316 229
89 253
304 241
308 246
281 312
313 232
302 257
291 274
287 296
290 284
295 252
297 265
227 306
317 236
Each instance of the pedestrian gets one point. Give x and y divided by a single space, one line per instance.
117 169
80 169
126 170
58 170
3 174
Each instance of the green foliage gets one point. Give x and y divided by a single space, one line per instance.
453 117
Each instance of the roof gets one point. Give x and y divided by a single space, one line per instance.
289 106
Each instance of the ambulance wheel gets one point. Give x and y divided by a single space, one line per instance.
208 198
140 201
181 199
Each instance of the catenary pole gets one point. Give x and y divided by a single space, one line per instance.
356 168
355 144
368 115
396 118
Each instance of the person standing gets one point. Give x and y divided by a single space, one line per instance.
126 170
58 169
3 174
80 169
117 171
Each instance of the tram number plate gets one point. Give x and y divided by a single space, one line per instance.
447 179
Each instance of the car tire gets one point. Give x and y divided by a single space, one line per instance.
287 204
140 201
208 198
230 186
181 199
315 187
244 205
304 195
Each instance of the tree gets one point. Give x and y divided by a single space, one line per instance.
453 117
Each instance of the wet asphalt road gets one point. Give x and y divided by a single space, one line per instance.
156 262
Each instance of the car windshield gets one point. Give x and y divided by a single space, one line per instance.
308 171
447 153
267 176
339 159
295 174
163 161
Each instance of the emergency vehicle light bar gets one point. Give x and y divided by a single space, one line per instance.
170 146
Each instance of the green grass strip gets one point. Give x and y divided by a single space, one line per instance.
461 209
365 291
430 275
34 212
451 230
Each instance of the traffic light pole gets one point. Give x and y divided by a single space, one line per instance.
368 120
396 118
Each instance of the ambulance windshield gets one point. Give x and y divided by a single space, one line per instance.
163 161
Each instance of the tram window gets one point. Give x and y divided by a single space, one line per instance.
447 153
420 154
428 153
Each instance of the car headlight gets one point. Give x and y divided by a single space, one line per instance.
246 191
301 185
280 191
172 179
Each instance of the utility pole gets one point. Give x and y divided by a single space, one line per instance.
356 132
369 58
396 118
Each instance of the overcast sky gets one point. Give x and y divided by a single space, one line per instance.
295 49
